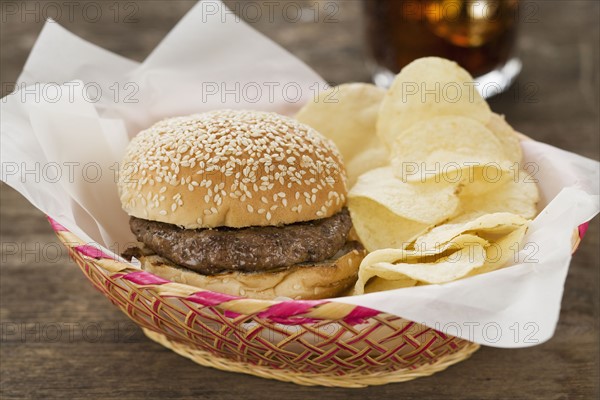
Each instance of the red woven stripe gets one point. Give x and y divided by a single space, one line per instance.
583 229
397 333
293 320
364 334
360 315
302 357
372 362
56 226
424 331
91 251
144 278
421 349
325 334
231 314
250 335
210 298
408 339
288 309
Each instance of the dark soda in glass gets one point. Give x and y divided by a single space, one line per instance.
479 35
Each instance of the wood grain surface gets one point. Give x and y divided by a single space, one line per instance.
62 339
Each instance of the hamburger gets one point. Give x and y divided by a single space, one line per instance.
245 203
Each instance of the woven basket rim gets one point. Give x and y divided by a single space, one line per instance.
289 312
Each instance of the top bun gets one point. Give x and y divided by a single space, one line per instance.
231 168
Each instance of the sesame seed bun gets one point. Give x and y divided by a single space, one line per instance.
231 169
325 279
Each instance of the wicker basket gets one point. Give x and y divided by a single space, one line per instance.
305 342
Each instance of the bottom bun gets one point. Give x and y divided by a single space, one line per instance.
306 281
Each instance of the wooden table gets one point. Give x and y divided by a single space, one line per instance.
62 339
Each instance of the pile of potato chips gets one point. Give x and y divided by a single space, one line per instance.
438 189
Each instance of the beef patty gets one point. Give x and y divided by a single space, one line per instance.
214 251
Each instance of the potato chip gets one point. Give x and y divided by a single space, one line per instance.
429 87
511 143
481 180
371 158
491 176
498 224
445 269
377 284
497 254
450 268
394 255
347 114
518 195
444 148
425 203
478 181
501 251
379 228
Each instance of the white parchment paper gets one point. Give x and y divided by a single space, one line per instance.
65 129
